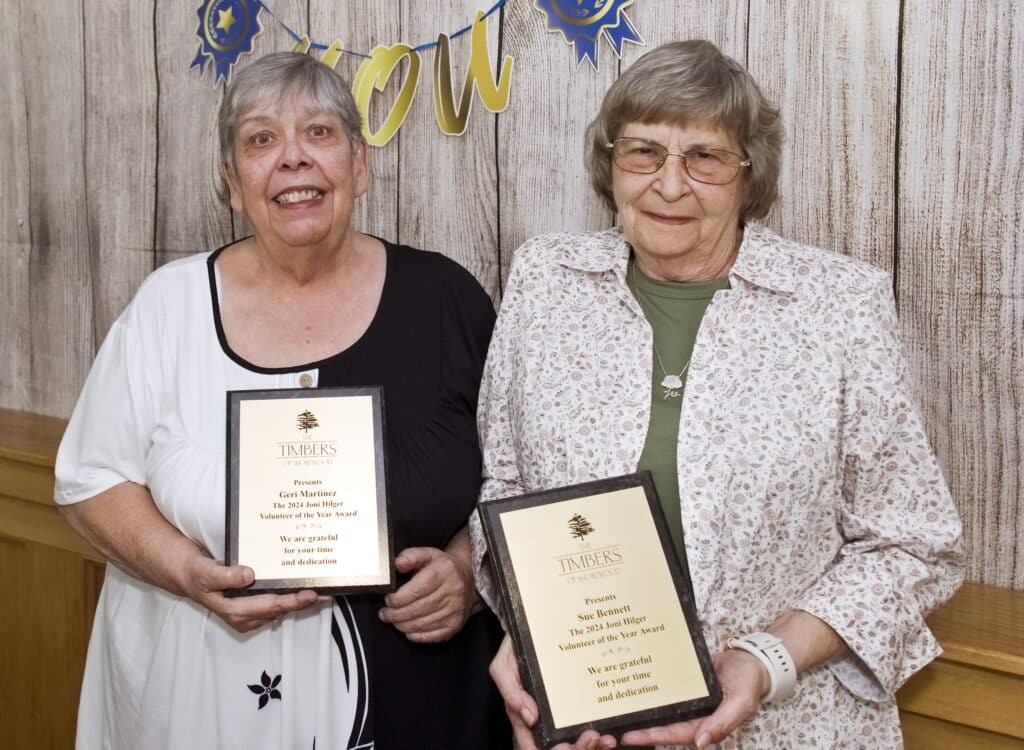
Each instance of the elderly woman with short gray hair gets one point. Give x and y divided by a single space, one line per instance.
305 301
761 383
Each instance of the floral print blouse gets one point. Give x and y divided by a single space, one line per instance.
806 479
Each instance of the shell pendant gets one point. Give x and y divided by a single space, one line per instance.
673 386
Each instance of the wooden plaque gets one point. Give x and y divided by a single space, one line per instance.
600 609
307 503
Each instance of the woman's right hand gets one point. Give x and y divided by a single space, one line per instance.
522 709
206 580
123 523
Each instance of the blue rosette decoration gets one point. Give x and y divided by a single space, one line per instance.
226 30
583 22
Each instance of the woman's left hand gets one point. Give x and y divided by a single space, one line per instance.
436 602
744 681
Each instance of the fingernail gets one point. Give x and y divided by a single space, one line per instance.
380 614
704 741
527 715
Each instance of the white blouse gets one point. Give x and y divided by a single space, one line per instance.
162 671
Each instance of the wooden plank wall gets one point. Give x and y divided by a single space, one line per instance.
961 262
904 125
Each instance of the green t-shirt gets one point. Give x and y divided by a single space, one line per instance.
674 309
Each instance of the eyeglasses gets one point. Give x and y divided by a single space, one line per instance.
712 166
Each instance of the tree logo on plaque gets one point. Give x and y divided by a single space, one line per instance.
586 558
307 421
579 527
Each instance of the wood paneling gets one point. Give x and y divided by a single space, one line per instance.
447 198
120 156
60 311
189 216
44 639
28 446
41 524
973 695
93 574
51 579
831 67
982 626
26 481
15 227
961 262
725 24
13 656
30 438
925 733
541 180
58 634
965 695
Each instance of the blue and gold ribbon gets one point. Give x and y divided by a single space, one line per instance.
226 30
583 22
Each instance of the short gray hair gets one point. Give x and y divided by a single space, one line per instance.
275 76
689 82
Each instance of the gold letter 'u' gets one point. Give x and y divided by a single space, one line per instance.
493 93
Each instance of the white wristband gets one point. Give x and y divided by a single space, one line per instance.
776 659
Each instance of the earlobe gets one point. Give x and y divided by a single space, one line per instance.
361 168
231 182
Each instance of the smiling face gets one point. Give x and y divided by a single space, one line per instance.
296 175
679 228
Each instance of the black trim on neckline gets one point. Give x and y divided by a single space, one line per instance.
231 354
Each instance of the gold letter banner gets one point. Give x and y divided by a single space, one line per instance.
493 88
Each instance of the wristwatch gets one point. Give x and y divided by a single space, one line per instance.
768 650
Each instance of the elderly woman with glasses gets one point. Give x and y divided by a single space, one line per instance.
305 301
761 383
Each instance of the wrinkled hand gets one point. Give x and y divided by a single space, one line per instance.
744 681
435 603
205 581
522 709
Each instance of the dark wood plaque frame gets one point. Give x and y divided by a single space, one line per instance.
332 585
545 732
